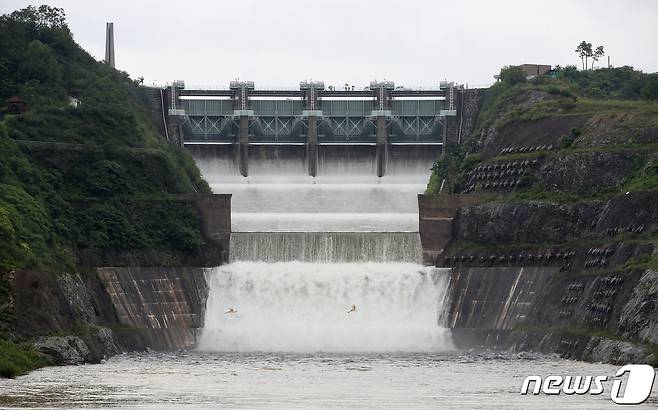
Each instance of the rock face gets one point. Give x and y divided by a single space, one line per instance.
552 277
532 222
586 172
64 350
93 347
639 317
156 308
56 303
555 249
546 222
614 129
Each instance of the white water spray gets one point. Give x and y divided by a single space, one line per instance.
303 307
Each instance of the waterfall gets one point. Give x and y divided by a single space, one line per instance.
326 246
305 250
303 307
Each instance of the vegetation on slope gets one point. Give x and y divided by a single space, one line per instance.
17 359
621 96
70 176
93 176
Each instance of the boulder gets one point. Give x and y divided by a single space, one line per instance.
64 350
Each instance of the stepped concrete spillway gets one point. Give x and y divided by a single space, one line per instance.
326 247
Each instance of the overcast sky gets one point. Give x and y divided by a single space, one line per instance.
282 42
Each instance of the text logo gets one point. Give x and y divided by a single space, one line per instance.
637 387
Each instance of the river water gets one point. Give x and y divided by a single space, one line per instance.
466 380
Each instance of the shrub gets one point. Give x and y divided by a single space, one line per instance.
567 140
17 359
512 75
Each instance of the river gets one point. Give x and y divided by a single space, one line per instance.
466 380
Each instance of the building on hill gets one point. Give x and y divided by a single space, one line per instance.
15 105
535 70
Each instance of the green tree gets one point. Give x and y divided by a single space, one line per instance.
512 75
42 17
650 89
582 52
585 52
598 53
40 64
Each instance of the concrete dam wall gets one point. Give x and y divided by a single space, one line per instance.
495 298
163 307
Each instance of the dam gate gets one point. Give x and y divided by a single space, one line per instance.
380 120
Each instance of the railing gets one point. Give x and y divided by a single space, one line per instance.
326 88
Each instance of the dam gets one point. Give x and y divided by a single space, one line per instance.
306 248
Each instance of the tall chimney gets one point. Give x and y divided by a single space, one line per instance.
109 44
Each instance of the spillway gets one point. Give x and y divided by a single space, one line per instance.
345 196
305 250
327 247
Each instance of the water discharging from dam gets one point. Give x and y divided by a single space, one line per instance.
346 195
304 250
303 307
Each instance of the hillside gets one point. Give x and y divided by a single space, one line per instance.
78 180
605 121
560 179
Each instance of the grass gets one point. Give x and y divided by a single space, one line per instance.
531 194
17 359
643 262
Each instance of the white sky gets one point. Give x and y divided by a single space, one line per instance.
282 42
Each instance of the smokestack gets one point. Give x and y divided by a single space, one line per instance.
109 44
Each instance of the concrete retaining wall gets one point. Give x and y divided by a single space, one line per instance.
436 214
163 306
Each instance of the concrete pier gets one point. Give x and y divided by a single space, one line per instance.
312 146
382 145
243 145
